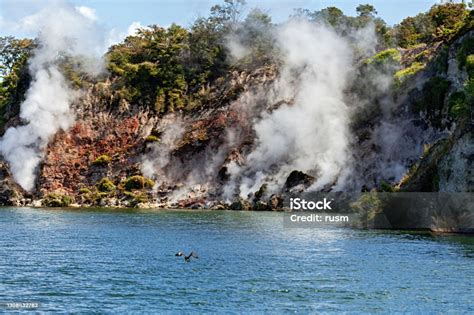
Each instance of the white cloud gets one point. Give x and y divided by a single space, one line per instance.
133 28
87 12
116 36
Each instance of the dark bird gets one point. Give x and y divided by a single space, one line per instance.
187 258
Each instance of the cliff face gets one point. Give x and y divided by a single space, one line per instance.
121 154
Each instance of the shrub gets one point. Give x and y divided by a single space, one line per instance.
466 49
388 55
402 75
105 185
57 200
138 182
440 63
470 65
386 187
434 93
149 183
134 182
102 160
469 88
84 191
458 105
151 139
136 198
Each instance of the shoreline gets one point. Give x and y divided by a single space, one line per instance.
359 226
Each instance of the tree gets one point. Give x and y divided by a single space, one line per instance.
441 22
448 18
366 10
13 52
330 15
255 34
150 68
226 16
14 75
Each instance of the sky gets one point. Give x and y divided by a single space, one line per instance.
121 17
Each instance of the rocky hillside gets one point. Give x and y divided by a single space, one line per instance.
406 123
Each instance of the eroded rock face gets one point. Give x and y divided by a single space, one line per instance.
68 162
456 169
219 135
10 193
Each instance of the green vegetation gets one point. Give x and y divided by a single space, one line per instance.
458 105
84 191
441 22
136 198
57 200
102 160
369 205
391 55
440 63
151 139
166 68
335 18
402 75
106 186
469 89
137 182
467 49
434 93
386 187
14 76
470 65
174 68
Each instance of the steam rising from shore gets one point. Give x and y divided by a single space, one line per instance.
311 134
63 31
309 131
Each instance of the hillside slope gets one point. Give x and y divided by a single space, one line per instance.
399 119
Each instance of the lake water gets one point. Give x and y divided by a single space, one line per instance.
123 261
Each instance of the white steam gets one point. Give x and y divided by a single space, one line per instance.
312 134
154 164
63 31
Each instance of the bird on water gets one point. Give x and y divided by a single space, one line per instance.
188 257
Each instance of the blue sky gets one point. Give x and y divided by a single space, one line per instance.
118 15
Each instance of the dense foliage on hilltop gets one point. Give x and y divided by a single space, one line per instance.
173 68
14 77
439 23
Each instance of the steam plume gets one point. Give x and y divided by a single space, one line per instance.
63 32
311 134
